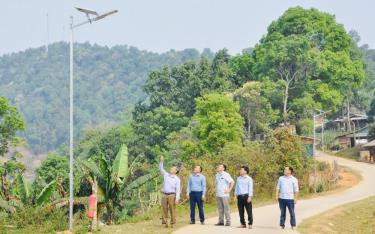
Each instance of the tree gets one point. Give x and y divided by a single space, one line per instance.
371 112
10 123
241 66
285 147
255 108
55 168
151 128
288 59
219 122
310 53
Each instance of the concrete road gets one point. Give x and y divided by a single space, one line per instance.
266 218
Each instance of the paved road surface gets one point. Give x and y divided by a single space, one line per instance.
266 218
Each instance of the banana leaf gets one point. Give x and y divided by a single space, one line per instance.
22 188
46 193
120 167
141 181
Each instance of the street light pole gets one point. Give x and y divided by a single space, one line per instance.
314 135
71 102
314 125
71 125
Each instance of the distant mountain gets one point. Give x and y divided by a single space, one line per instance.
108 82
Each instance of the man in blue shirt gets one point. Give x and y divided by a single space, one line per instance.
244 193
196 191
224 185
287 195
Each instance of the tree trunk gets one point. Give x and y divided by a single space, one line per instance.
110 214
248 127
94 223
285 108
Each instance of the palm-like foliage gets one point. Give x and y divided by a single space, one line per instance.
112 178
23 197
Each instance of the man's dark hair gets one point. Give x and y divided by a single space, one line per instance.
177 170
246 168
200 167
225 166
290 169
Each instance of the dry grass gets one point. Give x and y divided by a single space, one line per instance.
353 218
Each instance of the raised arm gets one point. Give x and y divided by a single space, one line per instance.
161 166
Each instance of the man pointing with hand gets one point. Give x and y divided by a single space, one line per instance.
171 192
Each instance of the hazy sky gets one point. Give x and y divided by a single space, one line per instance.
160 25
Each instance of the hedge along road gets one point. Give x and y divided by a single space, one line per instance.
266 218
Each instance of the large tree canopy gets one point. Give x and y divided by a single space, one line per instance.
219 122
10 123
313 57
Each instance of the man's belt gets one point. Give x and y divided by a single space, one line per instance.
169 193
242 195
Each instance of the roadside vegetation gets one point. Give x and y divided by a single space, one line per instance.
238 110
353 218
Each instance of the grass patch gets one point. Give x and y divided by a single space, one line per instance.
349 153
357 217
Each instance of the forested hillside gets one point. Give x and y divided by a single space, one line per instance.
108 83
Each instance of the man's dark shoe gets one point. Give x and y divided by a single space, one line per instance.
192 222
219 224
202 223
282 227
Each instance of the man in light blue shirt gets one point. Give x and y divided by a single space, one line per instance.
224 185
196 191
287 195
171 192
244 193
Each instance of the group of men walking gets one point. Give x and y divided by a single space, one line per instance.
286 194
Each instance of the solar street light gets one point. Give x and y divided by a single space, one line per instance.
97 16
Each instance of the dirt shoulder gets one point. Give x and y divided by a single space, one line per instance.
356 217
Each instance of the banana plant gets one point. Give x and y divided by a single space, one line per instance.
112 178
23 197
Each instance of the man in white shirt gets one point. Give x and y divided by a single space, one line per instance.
224 185
287 195
170 192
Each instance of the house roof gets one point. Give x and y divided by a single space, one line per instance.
362 132
370 144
